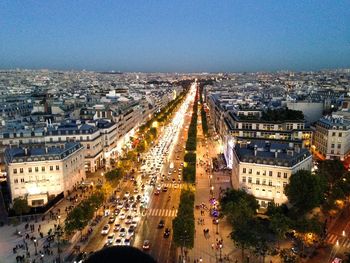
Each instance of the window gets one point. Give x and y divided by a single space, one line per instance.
257 172
15 171
270 173
270 183
57 167
244 179
244 170
16 181
257 181
30 169
249 180
264 172
88 146
43 168
332 145
333 133
340 134
21 170
264 182
37 169
22 180
339 146
279 174
51 168
285 175
284 184
250 171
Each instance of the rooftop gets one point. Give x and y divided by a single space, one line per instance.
20 154
270 153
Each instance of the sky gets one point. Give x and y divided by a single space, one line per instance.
174 35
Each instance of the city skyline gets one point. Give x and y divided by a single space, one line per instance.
178 36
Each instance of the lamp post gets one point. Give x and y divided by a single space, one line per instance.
36 246
102 175
212 191
217 226
220 246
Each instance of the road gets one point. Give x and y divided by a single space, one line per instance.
164 158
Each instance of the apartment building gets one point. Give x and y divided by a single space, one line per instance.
39 174
332 137
263 168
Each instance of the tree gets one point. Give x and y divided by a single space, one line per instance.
332 170
305 191
115 175
20 206
279 224
243 235
76 220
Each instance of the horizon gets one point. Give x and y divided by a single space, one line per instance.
178 36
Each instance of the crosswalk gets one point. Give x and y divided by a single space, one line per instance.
332 239
171 185
162 212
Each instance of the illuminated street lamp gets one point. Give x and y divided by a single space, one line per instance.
212 191
220 246
36 246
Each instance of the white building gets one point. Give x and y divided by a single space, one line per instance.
332 137
40 174
263 168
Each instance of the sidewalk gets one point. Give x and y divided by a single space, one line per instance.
43 223
206 246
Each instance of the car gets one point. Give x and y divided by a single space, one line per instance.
138 197
146 245
161 223
118 242
105 230
159 187
122 216
127 242
111 220
157 192
116 227
165 189
127 194
142 187
131 230
295 250
122 232
110 239
116 211
166 233
136 191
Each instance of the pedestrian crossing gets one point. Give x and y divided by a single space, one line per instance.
162 212
333 238
174 186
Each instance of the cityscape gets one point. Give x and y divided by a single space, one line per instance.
107 155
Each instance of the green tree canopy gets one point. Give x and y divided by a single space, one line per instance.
305 191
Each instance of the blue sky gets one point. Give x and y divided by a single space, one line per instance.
174 35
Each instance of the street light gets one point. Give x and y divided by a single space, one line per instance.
58 233
59 219
220 246
217 226
36 246
212 191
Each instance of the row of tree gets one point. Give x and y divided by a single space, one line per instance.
80 216
183 223
189 170
203 113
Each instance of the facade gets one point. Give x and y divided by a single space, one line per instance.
234 127
332 137
263 168
39 174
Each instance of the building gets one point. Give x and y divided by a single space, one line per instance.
332 137
40 174
263 168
